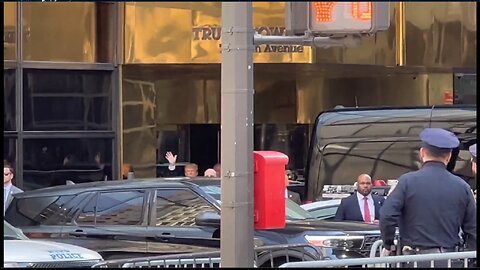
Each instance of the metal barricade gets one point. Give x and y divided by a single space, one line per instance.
265 256
391 261
377 247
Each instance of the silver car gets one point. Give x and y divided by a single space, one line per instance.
19 251
325 210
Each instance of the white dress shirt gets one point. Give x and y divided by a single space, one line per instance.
371 205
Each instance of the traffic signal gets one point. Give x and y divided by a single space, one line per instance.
330 18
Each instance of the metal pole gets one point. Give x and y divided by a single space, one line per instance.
319 42
236 247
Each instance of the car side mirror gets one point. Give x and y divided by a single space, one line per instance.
208 218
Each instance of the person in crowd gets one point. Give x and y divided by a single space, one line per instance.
99 160
126 170
8 188
218 169
362 205
292 195
172 168
191 170
70 160
473 152
45 159
210 173
430 205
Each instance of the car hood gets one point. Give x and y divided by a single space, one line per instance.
45 251
350 227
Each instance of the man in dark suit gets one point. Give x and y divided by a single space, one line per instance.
8 188
431 204
361 205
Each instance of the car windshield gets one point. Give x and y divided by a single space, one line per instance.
12 233
292 210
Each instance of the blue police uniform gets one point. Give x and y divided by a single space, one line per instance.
431 204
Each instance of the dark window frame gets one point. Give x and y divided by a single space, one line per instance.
112 26
95 197
62 220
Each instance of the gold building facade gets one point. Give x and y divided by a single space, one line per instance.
159 68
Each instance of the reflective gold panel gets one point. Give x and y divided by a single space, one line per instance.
139 137
378 49
159 97
379 88
9 30
60 32
190 32
441 34
284 93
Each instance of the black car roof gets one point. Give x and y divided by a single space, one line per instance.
108 185
351 115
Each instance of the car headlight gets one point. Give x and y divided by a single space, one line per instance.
346 242
16 264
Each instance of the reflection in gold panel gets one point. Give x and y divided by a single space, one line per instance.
190 32
378 49
9 30
60 32
296 94
316 94
159 96
441 34
193 97
139 132
437 34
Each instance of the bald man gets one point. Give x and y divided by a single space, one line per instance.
362 205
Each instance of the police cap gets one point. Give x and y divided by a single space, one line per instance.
439 140
473 151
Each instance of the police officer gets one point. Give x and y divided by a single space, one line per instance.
473 151
431 204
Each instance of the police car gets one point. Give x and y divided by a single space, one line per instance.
19 251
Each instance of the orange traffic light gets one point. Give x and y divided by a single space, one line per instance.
323 11
358 13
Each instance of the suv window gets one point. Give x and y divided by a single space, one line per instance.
48 210
178 207
114 208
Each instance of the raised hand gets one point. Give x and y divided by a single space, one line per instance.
172 159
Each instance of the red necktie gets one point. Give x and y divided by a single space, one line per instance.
366 210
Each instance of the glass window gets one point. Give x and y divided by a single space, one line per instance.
9 30
67 100
68 32
39 211
50 162
87 216
465 88
178 207
9 99
325 213
9 150
74 206
291 139
120 208
10 232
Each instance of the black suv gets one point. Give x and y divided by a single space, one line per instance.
132 218
383 142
